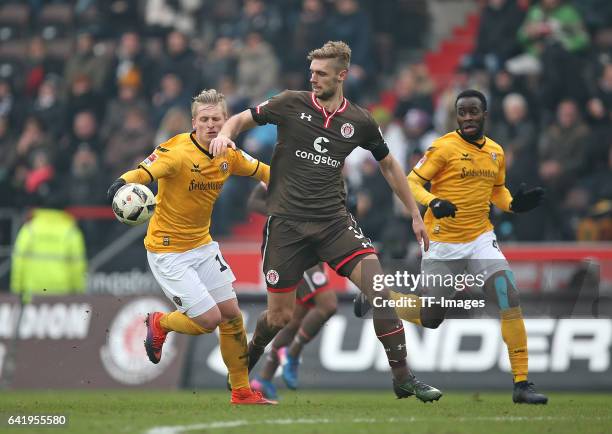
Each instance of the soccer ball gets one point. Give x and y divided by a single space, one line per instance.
133 204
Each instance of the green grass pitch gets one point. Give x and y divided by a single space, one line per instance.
324 412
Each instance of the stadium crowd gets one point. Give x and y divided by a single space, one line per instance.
89 87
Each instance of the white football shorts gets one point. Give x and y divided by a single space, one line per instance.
481 256
195 280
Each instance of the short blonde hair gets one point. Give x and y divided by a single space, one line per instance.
209 97
333 50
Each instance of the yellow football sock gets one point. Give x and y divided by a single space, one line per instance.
181 323
515 337
408 312
235 353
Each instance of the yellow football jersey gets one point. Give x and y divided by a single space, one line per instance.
189 182
469 175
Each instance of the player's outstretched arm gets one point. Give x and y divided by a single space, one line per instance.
257 199
396 178
233 127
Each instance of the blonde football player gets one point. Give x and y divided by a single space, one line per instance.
467 172
183 258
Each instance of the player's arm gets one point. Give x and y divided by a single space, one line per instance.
157 165
242 164
423 172
257 199
231 129
395 177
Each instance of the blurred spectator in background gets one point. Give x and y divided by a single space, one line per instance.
409 95
518 135
503 83
130 58
176 121
168 15
8 105
260 17
498 19
600 105
258 68
553 35
49 253
85 62
27 157
83 97
84 132
351 24
181 61
49 108
128 97
86 182
418 130
562 149
221 63
372 197
37 66
170 94
7 149
129 145
309 30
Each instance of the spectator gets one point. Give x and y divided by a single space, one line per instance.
553 34
562 148
130 145
408 94
83 97
86 183
168 15
259 17
37 66
171 94
175 121
350 24
310 30
600 105
258 68
33 142
498 19
131 59
518 135
128 98
85 62
418 130
49 252
48 107
180 60
222 62
8 151
84 132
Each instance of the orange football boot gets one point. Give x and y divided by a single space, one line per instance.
246 396
156 336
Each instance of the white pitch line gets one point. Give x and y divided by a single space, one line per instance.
177 429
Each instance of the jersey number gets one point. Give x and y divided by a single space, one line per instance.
222 266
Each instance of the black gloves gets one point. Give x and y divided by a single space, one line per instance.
110 194
525 200
442 208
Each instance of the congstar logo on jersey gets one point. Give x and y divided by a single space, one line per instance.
318 157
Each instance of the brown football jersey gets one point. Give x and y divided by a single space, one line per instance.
306 180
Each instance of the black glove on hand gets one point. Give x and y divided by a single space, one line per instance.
525 200
442 208
110 194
